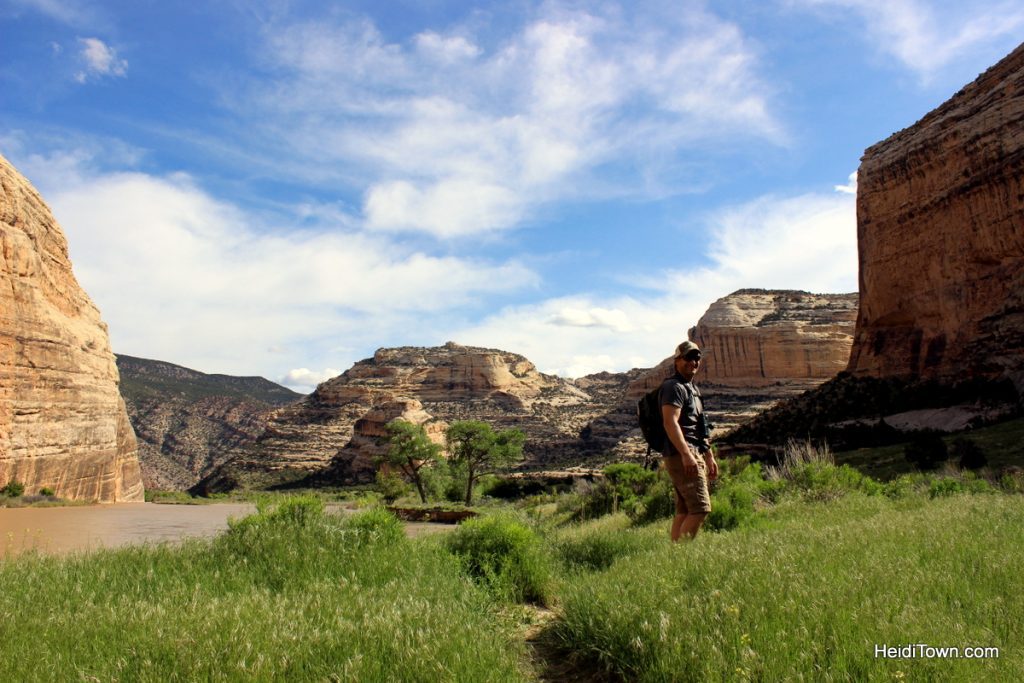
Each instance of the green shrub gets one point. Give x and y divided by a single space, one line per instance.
968 454
375 525
505 555
14 489
391 485
926 450
658 503
945 487
732 505
46 491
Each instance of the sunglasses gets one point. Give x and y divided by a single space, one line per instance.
692 356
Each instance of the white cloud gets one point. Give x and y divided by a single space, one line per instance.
447 49
452 137
184 277
807 242
100 60
69 12
926 37
850 187
308 379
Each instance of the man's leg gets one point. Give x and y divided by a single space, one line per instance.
690 525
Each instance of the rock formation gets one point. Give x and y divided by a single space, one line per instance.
63 423
188 422
761 346
332 428
940 225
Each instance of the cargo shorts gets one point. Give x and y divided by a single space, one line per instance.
692 495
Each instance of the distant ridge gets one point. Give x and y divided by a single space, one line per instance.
143 377
188 422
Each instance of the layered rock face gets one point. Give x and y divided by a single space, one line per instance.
188 422
335 428
755 337
763 345
63 424
940 222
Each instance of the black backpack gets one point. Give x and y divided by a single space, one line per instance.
648 413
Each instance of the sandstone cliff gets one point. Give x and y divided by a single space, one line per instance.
188 422
761 346
940 223
63 423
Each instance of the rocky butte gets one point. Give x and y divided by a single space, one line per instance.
940 227
63 423
332 433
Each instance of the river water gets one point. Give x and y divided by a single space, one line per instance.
60 530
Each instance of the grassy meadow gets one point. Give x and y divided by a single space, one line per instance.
801 573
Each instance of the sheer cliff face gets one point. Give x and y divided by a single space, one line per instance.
940 221
63 423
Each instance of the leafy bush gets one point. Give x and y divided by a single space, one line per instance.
375 525
945 487
46 491
658 503
926 450
968 454
731 506
14 489
505 555
391 485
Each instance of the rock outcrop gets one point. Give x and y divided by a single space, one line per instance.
187 422
761 346
331 429
756 337
940 223
63 423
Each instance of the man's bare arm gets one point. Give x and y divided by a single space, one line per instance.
670 419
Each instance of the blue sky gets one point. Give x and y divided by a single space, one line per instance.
279 188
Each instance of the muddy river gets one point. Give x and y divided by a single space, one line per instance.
68 529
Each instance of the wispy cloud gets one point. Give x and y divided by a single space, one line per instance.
454 136
99 60
807 242
926 40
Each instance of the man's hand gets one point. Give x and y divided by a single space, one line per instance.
709 460
689 463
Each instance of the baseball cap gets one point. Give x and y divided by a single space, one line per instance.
686 348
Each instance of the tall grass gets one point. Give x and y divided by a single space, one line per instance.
810 597
288 594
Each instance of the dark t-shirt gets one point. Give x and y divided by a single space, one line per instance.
675 391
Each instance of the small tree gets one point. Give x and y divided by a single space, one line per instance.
410 450
478 449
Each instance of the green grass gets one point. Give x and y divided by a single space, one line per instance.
810 596
288 595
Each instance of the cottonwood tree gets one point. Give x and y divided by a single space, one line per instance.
478 449
410 450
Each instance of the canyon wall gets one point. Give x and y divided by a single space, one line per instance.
940 222
63 424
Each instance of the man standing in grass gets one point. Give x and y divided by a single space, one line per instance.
687 455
